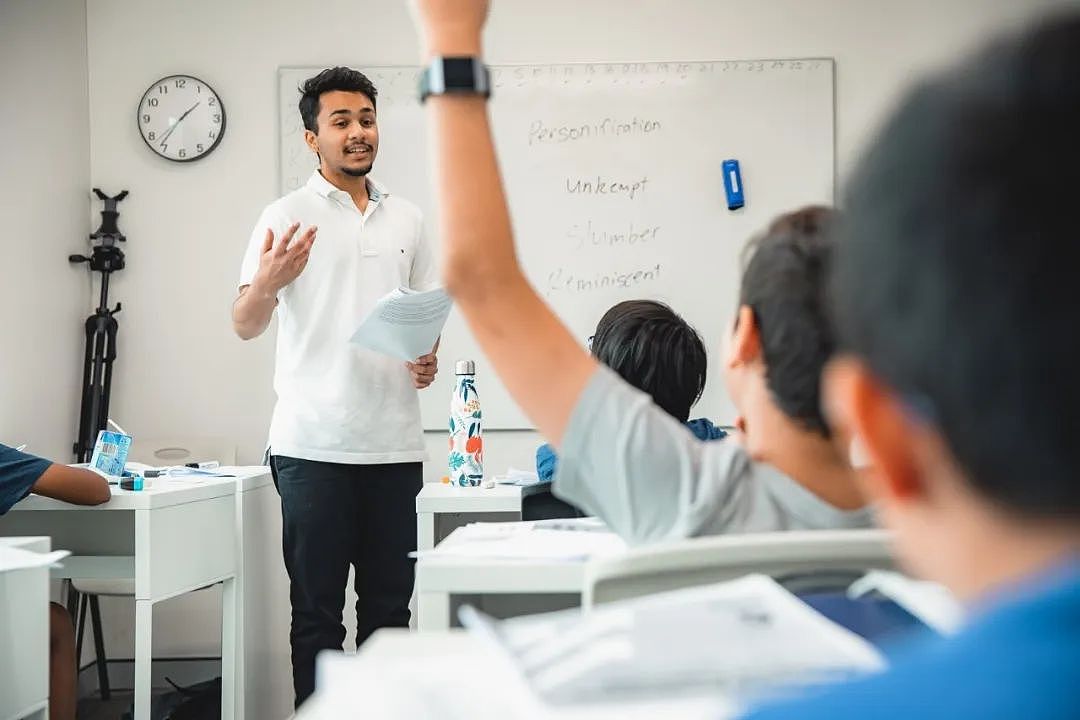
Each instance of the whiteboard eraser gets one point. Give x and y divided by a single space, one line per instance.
733 186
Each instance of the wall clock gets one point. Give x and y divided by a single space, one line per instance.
181 118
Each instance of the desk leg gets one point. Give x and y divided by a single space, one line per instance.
433 611
425 531
232 685
144 623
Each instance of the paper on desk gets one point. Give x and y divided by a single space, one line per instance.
405 323
930 602
736 641
525 541
13 558
521 478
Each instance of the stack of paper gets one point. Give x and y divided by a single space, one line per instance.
736 640
405 323
930 602
539 540
521 478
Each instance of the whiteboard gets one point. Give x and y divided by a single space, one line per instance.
613 172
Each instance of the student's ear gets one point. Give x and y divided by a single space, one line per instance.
868 411
745 345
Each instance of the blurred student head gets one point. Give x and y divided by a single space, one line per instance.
956 309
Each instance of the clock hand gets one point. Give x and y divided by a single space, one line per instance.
178 121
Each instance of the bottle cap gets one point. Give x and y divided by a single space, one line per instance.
465 367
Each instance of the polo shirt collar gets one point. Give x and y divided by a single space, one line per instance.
323 187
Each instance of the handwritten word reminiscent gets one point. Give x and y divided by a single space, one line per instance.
563 280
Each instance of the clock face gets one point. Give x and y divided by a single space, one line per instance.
181 118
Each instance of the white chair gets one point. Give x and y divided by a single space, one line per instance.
84 594
801 561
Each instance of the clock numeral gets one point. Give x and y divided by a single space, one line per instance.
212 102
198 147
152 102
212 136
152 136
163 89
164 146
217 117
183 153
180 83
198 88
146 118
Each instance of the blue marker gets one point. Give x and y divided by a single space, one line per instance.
733 185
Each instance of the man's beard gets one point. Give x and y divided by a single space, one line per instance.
357 172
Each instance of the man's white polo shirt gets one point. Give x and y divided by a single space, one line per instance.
338 402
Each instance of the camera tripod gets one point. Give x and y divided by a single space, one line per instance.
106 257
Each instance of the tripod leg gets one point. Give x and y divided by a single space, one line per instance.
106 380
82 450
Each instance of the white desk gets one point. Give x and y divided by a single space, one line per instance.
440 578
24 635
179 535
440 508
399 675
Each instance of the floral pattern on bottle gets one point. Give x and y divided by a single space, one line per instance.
466 459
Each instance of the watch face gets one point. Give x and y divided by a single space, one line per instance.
181 118
459 73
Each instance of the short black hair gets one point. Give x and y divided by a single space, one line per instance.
651 347
785 284
956 277
329 80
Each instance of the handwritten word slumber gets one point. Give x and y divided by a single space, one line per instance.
541 133
629 234
563 280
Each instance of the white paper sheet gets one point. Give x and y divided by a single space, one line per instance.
736 640
930 602
537 540
405 324
13 558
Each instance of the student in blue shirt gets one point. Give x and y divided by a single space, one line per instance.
20 475
956 306
654 349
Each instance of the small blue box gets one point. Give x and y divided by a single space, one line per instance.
110 453
733 185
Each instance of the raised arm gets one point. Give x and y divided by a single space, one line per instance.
539 361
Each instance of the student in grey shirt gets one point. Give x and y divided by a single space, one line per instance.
622 458
648 479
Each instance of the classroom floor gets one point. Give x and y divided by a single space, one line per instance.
94 708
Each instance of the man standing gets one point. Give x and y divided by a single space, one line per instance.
345 441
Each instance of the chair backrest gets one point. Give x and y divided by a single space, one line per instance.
180 450
801 560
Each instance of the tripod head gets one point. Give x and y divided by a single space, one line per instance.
105 256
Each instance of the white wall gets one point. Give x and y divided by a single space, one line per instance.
44 200
181 370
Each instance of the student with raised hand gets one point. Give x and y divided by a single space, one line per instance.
654 349
20 475
956 307
623 458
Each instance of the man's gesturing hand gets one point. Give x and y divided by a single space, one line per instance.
280 264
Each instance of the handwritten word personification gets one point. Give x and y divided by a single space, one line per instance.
540 133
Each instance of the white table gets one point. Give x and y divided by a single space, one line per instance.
399 675
24 635
440 508
440 578
178 535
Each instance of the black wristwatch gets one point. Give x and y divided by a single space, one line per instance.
455 75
